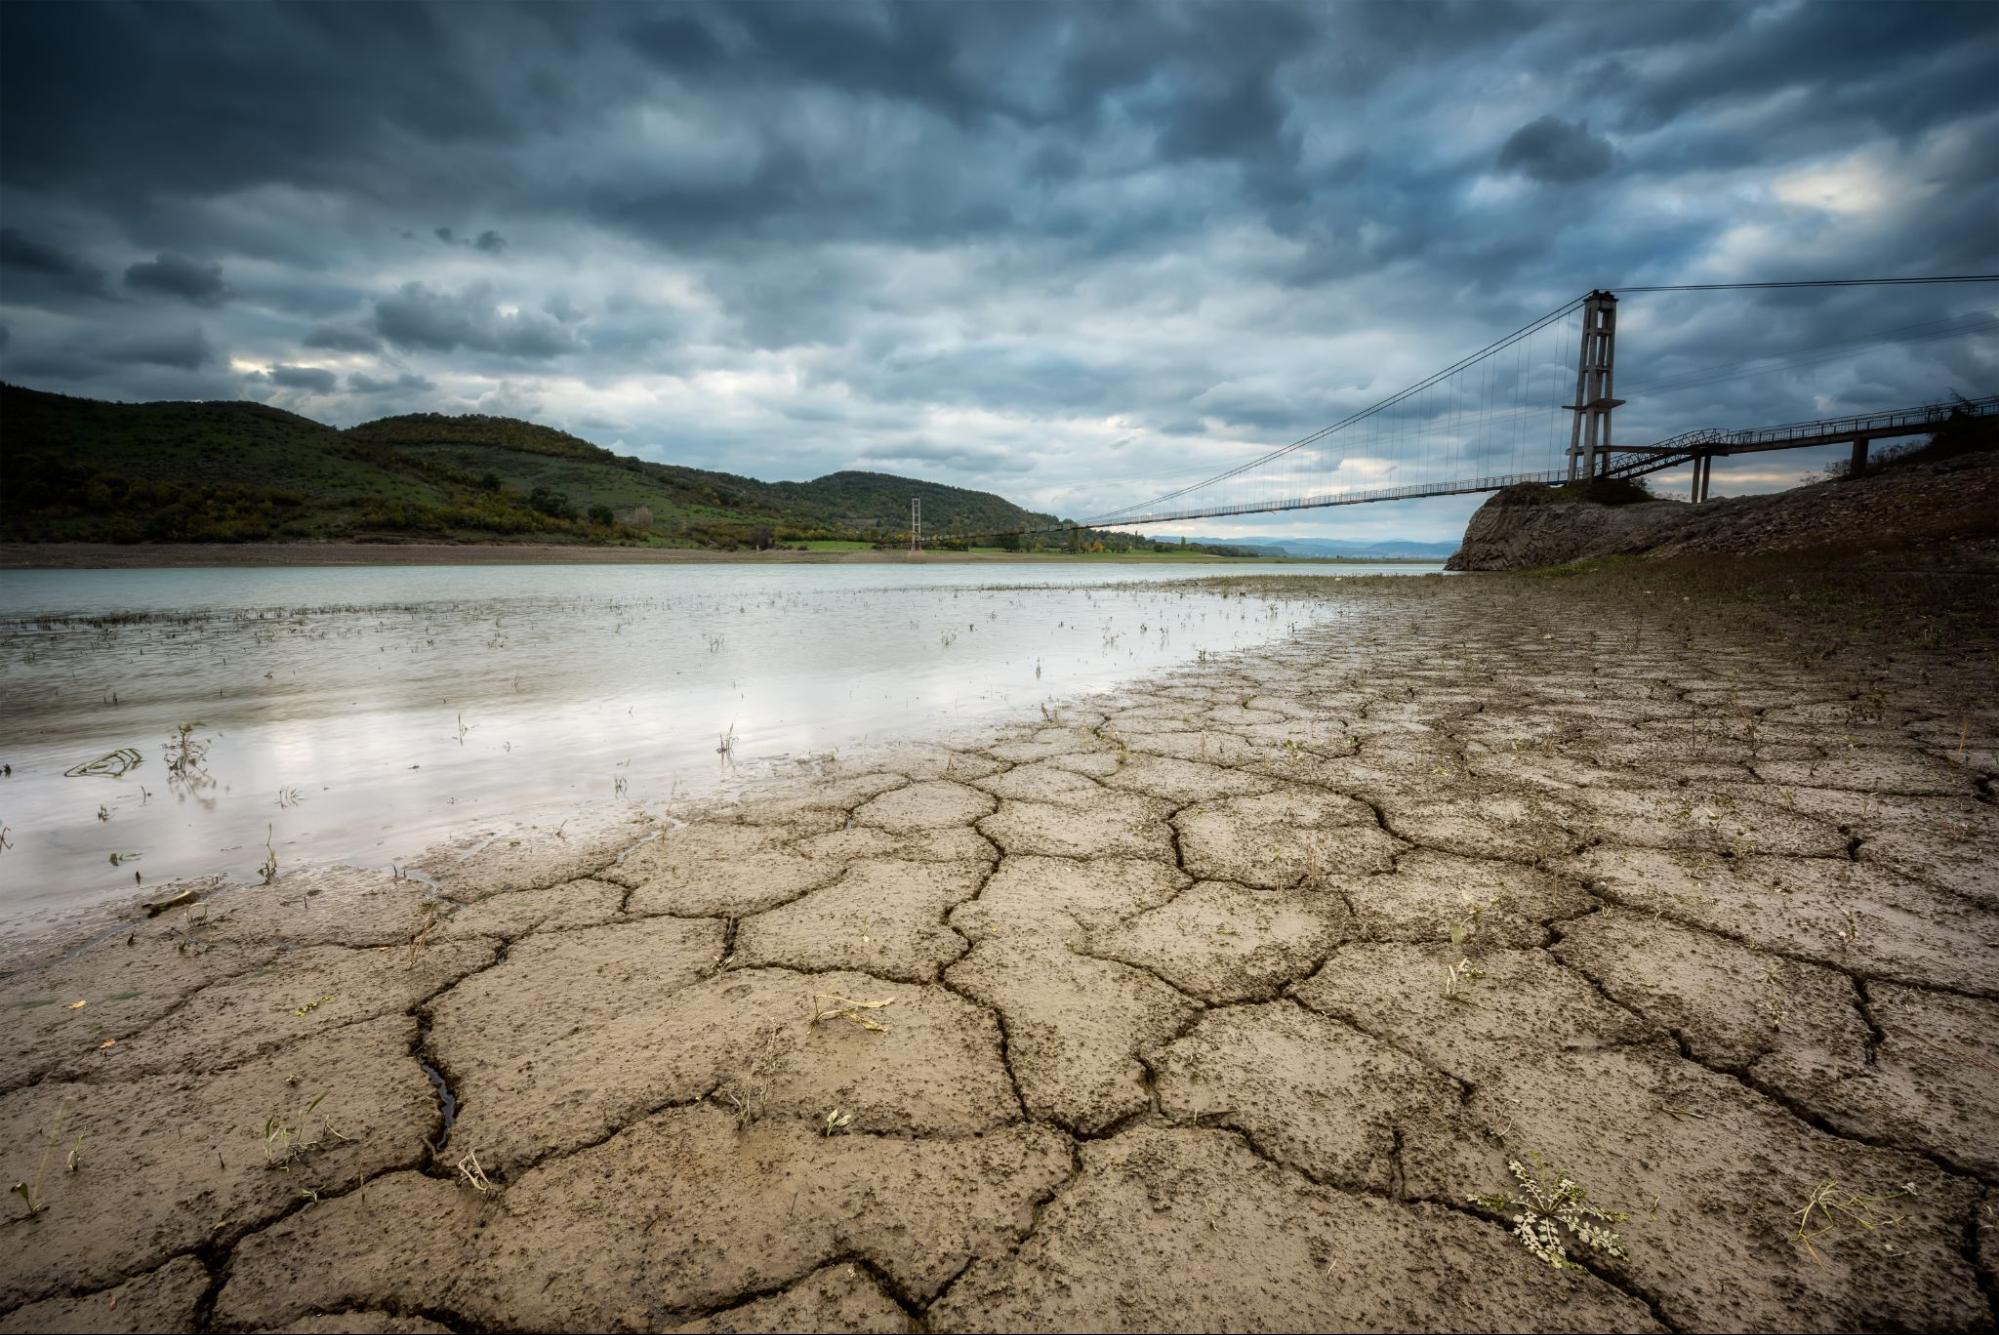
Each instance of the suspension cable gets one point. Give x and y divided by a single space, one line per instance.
1532 327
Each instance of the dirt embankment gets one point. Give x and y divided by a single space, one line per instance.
1528 527
1229 999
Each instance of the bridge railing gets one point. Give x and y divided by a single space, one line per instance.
1678 449
1929 414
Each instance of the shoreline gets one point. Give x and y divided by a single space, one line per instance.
112 556
1267 963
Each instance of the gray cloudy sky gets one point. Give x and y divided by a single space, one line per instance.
1054 251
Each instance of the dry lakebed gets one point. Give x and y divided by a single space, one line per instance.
1474 960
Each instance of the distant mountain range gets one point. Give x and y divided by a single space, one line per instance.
1390 549
80 470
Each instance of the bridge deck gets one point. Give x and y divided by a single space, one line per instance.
1626 461
1632 461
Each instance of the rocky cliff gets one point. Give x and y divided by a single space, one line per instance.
1530 526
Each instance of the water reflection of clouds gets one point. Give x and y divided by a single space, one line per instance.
566 680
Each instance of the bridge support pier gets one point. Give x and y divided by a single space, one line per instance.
1858 464
1703 472
1589 435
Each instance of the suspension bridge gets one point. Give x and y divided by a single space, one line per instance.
1537 406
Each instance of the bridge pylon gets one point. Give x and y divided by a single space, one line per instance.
1589 433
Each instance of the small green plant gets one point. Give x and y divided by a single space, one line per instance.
30 1191
269 869
1545 1217
1471 914
1458 980
288 1134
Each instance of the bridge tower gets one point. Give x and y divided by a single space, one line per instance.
915 524
1589 434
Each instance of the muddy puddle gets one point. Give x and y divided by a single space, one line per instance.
364 714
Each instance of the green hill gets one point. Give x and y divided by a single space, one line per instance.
79 470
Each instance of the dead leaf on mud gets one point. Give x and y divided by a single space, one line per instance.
831 1006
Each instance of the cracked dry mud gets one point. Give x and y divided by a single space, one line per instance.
1141 1016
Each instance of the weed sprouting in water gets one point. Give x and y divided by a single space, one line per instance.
269 869
187 759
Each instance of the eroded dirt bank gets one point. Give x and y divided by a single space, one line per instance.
1212 1003
1956 499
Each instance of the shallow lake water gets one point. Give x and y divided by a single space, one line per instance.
364 714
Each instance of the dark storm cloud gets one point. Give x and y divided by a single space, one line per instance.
341 338
178 276
1552 149
1836 51
421 317
487 242
404 383
39 261
186 349
970 237
311 379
